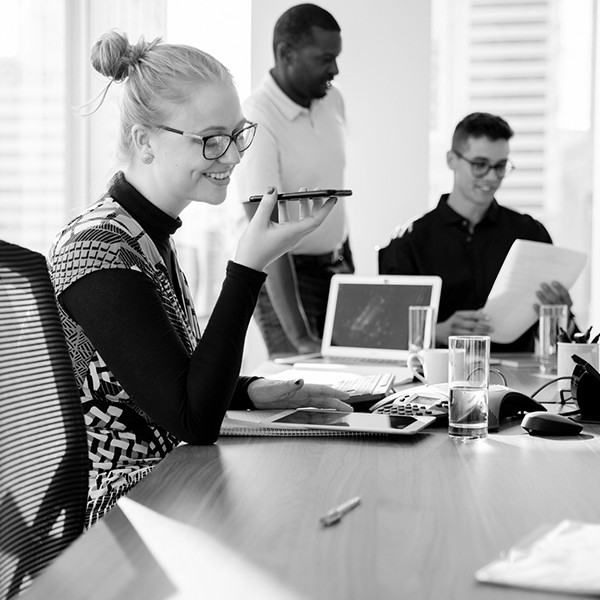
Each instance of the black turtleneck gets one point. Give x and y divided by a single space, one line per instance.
122 314
156 223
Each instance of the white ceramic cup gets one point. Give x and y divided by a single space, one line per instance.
565 364
433 362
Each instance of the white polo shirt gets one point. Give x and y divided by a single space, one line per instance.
296 147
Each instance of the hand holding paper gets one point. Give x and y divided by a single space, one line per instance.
511 303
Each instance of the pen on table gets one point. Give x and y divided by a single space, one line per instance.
335 514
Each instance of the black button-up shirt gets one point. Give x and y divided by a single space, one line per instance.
440 243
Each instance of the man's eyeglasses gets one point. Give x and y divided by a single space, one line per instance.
215 146
481 168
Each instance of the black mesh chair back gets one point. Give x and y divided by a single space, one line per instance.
43 449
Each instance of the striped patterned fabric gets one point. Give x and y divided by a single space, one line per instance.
43 448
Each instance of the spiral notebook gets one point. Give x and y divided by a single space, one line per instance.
251 423
311 422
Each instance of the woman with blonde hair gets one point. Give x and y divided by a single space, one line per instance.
148 378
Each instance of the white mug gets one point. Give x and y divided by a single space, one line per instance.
434 362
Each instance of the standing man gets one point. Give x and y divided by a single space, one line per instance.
466 238
299 144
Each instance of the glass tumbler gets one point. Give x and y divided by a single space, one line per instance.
468 382
553 318
421 328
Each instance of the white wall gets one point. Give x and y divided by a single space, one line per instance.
384 73
594 313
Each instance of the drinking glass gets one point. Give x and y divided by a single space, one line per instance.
553 317
468 382
421 328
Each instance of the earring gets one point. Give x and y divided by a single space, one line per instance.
147 158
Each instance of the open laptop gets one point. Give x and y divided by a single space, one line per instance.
366 324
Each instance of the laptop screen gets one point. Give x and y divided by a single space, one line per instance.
369 316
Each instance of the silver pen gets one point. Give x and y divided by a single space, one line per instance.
335 514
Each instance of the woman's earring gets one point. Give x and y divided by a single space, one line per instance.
147 158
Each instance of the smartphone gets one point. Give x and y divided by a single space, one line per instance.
307 194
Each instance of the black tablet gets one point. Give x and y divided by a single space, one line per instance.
312 418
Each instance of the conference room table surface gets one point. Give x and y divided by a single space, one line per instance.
240 518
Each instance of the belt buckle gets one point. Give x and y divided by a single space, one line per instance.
336 255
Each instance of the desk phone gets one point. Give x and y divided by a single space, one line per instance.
503 403
413 404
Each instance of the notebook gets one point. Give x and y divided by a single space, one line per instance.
314 422
255 423
366 324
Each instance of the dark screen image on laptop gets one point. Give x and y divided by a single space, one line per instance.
375 316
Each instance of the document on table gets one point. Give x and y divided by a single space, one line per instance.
526 266
563 558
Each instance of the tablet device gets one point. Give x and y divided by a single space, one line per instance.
311 418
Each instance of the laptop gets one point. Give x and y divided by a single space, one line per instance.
366 323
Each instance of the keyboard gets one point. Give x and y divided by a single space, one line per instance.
411 404
370 388
355 360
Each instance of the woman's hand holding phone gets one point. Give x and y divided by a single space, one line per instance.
305 194
263 240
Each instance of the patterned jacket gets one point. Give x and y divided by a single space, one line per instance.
124 443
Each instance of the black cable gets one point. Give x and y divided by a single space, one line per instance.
563 401
500 375
569 414
550 383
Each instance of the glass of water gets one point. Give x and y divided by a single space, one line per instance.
553 318
468 382
421 328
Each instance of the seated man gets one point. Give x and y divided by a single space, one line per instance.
466 238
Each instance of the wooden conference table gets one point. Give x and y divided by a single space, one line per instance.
240 519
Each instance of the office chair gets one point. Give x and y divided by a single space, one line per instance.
43 449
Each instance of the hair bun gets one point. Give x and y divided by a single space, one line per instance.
112 55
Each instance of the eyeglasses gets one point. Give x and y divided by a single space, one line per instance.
215 146
481 168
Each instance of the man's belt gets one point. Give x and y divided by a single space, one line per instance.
321 260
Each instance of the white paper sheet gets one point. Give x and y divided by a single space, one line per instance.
526 266
562 559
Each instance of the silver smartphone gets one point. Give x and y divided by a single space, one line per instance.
301 195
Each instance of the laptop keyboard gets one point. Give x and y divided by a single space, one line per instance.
367 389
355 360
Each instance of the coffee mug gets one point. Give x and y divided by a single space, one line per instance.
433 362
